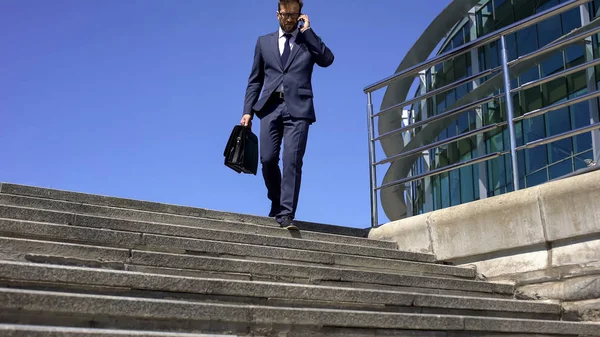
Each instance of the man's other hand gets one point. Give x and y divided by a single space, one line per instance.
246 121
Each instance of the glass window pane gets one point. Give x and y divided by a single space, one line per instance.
463 122
575 55
535 158
549 30
577 83
530 75
534 128
560 169
504 13
553 64
527 40
531 99
537 178
466 190
581 117
445 187
485 20
508 170
496 175
570 20
554 91
521 156
558 121
437 200
491 55
455 187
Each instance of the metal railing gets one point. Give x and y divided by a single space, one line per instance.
504 69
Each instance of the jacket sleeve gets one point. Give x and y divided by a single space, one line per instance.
322 55
255 81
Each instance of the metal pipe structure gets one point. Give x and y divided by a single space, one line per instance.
554 46
441 116
487 72
443 169
509 113
439 143
560 136
438 90
372 160
559 74
529 21
503 69
558 105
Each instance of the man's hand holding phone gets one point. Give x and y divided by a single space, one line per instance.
305 22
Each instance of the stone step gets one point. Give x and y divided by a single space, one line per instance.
19 330
155 207
131 240
23 213
93 280
28 250
233 224
32 306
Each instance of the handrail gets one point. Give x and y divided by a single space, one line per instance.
441 116
553 46
526 22
558 105
442 170
440 143
559 74
560 136
439 90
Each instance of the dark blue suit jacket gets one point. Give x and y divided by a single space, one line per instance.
268 73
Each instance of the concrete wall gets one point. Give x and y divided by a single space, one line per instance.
545 238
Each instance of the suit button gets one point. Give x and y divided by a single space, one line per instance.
285 72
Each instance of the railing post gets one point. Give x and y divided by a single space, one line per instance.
372 161
509 114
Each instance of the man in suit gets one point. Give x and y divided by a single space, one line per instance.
282 70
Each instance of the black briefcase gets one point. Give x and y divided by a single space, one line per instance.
241 151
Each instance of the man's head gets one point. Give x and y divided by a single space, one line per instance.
288 12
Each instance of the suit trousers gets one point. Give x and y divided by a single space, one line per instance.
277 127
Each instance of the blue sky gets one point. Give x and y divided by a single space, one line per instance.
136 98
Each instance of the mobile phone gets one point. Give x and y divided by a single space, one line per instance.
300 22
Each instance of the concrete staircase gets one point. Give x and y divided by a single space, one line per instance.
74 264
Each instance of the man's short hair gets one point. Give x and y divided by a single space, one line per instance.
285 2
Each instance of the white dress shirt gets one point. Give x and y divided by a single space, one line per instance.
282 45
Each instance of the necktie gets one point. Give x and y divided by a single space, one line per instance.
286 50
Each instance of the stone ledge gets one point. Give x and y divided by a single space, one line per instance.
557 210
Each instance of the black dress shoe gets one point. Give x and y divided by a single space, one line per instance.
287 222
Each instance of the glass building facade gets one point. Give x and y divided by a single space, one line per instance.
536 165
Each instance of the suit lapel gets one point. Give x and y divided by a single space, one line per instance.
275 44
295 50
